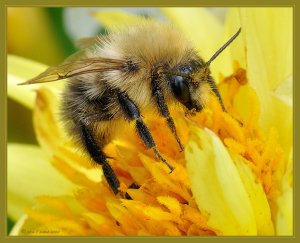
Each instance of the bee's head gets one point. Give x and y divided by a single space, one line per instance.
188 81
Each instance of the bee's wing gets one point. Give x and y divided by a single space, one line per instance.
77 67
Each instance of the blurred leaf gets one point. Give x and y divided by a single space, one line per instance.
56 16
30 34
19 130
10 225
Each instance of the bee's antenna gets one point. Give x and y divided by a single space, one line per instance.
223 47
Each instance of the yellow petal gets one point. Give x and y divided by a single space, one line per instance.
171 203
198 24
257 198
53 216
284 217
156 213
75 174
101 224
19 70
268 34
269 37
206 33
284 91
76 161
217 186
112 19
269 68
29 174
46 121
282 119
238 48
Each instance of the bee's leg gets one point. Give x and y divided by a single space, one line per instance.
100 158
132 186
214 88
132 112
164 111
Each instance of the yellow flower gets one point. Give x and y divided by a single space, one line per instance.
230 180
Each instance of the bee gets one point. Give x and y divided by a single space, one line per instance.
132 71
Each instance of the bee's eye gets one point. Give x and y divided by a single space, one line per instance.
180 88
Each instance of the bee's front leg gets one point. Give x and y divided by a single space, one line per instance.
164 111
131 111
215 89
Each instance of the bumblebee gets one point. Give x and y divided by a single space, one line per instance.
116 78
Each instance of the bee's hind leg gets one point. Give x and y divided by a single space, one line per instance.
100 158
